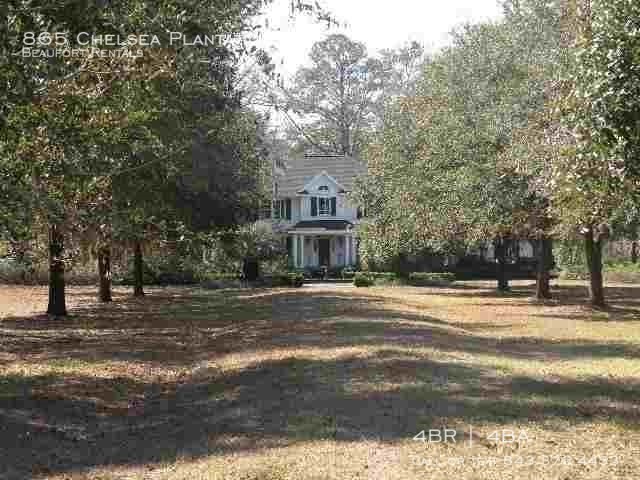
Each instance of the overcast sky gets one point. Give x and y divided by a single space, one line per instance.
377 23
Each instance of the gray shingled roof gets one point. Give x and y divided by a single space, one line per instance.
302 170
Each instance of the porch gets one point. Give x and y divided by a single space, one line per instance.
322 247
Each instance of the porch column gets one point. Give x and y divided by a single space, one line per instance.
294 248
301 238
347 250
353 250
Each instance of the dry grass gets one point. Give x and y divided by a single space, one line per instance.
320 383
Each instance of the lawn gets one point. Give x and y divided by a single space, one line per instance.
321 383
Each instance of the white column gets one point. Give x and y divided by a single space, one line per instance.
294 250
347 250
301 251
352 248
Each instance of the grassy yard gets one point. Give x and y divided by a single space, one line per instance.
321 383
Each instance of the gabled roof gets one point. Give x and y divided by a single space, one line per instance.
302 170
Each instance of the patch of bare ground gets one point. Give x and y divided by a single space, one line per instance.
321 383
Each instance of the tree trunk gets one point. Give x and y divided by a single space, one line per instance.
593 251
57 304
137 270
500 249
545 263
634 251
104 272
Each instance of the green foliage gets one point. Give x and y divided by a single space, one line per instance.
622 271
442 171
227 250
347 273
296 279
122 149
362 279
599 170
425 279
287 279
383 276
368 279
216 280
164 270
569 255
220 276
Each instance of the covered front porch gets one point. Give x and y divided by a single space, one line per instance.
317 246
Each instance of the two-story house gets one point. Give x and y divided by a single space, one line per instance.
312 210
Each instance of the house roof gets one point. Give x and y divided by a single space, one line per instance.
326 224
300 171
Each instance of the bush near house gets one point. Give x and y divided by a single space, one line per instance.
16 272
220 280
286 279
368 279
363 279
234 280
383 277
429 279
347 273
621 271
319 272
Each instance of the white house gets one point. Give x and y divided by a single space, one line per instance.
312 210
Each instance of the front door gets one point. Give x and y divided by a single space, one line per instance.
324 252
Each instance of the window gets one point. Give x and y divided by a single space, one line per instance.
282 209
324 206
323 188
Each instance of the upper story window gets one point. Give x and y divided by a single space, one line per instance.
323 189
282 209
324 207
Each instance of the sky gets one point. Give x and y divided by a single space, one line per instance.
376 23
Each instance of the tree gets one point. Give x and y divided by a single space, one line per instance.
335 96
447 153
56 111
600 171
402 69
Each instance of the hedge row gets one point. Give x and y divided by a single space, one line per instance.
368 279
427 279
234 280
284 279
421 279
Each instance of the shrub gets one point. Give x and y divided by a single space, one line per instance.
286 279
14 271
382 276
426 279
347 273
221 276
373 278
334 272
361 279
573 275
622 271
296 279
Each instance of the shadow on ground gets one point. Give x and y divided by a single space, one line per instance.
64 422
